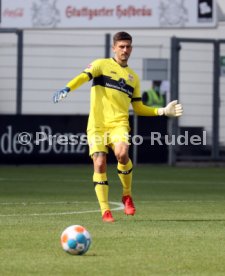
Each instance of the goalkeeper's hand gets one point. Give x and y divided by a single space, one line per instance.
173 109
60 94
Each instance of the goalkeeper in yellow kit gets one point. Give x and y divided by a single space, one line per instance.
114 86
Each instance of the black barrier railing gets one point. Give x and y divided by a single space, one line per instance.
175 80
107 45
19 72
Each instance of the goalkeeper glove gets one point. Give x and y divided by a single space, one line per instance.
60 94
173 109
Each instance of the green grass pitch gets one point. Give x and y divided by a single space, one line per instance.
179 227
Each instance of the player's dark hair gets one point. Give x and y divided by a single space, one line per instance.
121 36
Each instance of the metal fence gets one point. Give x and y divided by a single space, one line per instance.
196 79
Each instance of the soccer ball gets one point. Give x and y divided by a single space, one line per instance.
75 240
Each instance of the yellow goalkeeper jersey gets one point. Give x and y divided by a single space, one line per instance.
112 91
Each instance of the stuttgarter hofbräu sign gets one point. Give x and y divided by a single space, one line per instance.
108 14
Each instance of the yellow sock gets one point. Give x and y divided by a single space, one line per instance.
125 175
102 190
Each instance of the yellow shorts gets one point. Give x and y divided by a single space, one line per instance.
102 139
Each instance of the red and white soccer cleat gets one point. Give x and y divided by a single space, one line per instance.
107 216
129 208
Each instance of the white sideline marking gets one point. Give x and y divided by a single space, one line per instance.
119 207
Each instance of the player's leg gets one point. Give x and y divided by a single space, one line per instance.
120 145
124 169
124 166
101 185
98 153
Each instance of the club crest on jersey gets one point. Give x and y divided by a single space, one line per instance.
130 77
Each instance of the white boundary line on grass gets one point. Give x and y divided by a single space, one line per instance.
118 204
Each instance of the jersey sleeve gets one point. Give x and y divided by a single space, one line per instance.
93 69
137 104
77 81
137 90
143 110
